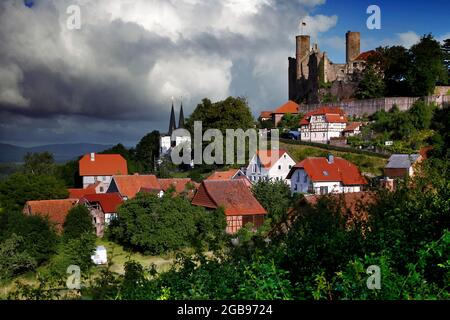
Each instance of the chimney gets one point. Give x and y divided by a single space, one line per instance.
92 156
330 159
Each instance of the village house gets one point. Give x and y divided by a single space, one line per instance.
130 185
100 168
289 107
231 174
103 208
323 124
326 175
179 186
265 116
238 202
401 165
98 187
352 129
55 210
269 165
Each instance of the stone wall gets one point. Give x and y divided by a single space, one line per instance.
368 107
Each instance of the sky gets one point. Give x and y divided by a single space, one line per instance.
113 80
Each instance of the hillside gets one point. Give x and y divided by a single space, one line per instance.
61 152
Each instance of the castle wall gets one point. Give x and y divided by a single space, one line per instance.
368 107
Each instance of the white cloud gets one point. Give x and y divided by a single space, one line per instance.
318 24
405 39
10 93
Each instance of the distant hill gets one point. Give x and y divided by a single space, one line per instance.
61 152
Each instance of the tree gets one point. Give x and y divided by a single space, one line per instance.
13 260
232 113
394 63
69 172
290 121
155 225
427 66
39 236
421 114
39 163
446 55
78 222
20 188
372 84
275 197
147 151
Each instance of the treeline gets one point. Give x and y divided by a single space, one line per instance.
397 71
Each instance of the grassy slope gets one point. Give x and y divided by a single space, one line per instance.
367 164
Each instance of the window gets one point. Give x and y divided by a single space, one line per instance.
323 190
290 167
279 167
234 223
295 187
305 179
101 189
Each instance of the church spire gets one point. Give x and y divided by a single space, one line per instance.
172 123
181 118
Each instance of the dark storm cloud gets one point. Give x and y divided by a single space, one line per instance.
115 77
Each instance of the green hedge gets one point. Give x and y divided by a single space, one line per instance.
336 148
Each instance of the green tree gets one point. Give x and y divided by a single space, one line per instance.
372 84
427 67
155 225
275 197
421 114
20 188
232 113
78 222
39 163
13 259
446 55
290 121
147 151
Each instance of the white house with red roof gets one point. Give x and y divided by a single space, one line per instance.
323 124
269 165
326 175
101 168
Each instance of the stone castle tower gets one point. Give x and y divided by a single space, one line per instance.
312 70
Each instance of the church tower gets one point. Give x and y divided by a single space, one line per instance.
181 118
172 123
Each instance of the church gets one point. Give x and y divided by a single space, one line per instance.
169 141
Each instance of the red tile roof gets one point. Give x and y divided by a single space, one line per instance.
328 111
320 170
55 210
352 126
335 118
265 114
265 156
364 56
103 165
129 186
229 175
223 175
288 107
233 195
109 202
80 193
180 185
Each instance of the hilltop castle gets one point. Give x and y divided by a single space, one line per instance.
312 71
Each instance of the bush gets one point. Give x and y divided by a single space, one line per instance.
155 225
78 222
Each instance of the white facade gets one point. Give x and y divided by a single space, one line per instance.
302 183
104 182
256 171
165 144
321 131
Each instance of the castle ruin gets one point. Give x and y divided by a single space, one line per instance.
311 71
